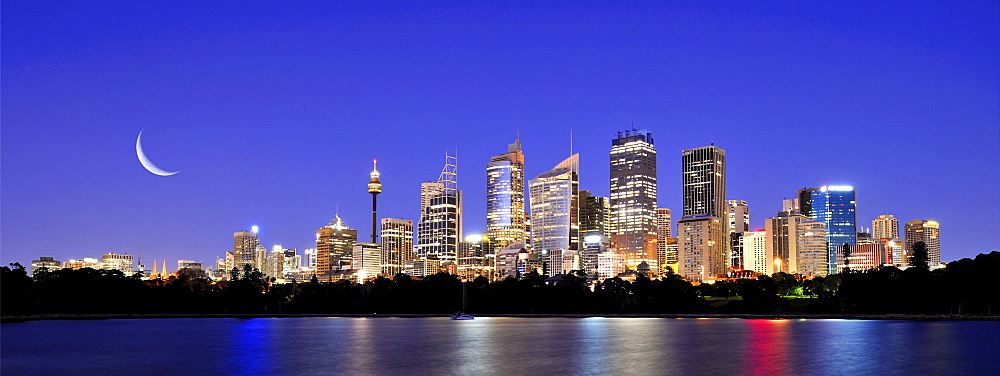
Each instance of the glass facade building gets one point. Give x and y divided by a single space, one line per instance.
555 207
505 215
440 226
835 206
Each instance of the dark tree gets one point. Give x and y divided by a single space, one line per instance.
847 257
919 258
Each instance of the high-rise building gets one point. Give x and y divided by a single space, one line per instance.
334 249
244 252
702 238
367 260
836 207
440 226
704 181
928 232
505 215
114 261
664 225
667 255
885 227
782 240
633 197
397 245
755 254
811 249
595 213
738 216
702 248
593 245
475 257
555 208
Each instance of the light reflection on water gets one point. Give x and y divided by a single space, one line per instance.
426 346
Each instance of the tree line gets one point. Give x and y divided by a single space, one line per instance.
964 286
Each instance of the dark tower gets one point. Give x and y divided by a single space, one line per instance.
374 187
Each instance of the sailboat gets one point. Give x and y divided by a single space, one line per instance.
461 315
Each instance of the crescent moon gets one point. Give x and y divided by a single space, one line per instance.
146 162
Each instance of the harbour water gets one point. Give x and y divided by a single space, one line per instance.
439 346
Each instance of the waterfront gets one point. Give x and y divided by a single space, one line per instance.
273 346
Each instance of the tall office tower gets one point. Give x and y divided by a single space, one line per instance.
633 197
594 215
894 254
667 255
440 226
334 248
928 232
782 240
701 248
367 260
114 261
755 254
244 251
663 232
811 249
704 181
310 258
885 227
374 187
555 208
474 257
736 251
505 215
738 216
397 245
274 263
703 245
836 207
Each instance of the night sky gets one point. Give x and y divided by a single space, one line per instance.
272 112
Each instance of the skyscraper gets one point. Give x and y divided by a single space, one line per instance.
594 215
505 215
664 223
704 181
738 216
440 226
367 260
397 245
244 252
703 243
885 227
555 208
928 232
633 197
836 207
755 254
811 250
334 249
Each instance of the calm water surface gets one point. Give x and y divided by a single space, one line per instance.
435 346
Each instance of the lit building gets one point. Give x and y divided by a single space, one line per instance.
738 216
334 249
244 251
701 232
367 260
555 207
755 253
782 244
593 245
664 225
505 215
928 232
114 261
609 265
426 266
474 257
836 207
885 227
86 262
374 188
736 251
273 265
894 253
633 197
811 249
666 255
440 225
310 258
45 262
701 249
397 245
190 265
291 264
595 213
860 257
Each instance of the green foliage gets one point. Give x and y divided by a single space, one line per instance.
919 258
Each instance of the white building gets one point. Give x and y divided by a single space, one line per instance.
609 265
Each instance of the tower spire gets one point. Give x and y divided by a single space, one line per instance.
374 187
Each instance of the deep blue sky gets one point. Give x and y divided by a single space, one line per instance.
273 112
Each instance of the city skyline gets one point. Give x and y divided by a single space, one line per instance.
287 145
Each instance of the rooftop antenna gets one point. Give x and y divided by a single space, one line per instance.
571 142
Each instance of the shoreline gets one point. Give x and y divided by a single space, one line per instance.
747 316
